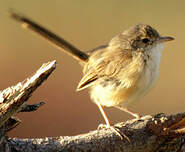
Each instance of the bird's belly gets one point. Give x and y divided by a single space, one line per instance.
114 94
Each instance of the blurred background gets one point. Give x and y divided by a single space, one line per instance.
86 24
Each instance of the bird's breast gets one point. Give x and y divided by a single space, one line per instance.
151 69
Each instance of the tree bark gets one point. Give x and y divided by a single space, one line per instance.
159 133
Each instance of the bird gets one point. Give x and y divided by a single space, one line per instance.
116 74
126 69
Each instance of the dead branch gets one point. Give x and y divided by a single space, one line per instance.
13 99
150 134
30 108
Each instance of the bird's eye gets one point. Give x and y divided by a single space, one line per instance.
145 40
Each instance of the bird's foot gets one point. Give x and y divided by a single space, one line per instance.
115 130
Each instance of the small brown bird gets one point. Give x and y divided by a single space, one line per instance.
125 69
118 73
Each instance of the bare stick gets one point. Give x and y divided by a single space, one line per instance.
59 42
32 107
13 98
149 134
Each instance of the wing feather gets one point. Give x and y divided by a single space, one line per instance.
104 63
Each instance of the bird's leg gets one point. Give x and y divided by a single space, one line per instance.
108 125
136 115
107 121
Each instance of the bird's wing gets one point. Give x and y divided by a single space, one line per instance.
104 63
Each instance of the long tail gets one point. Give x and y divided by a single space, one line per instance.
59 42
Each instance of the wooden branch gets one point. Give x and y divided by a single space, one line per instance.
149 134
30 108
12 99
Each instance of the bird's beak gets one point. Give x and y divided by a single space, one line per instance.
165 39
